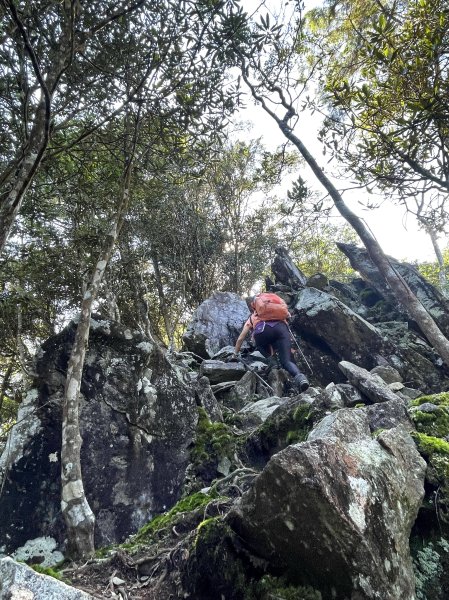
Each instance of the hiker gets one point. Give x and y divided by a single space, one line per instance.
271 333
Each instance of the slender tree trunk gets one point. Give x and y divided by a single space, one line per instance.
11 201
5 383
162 301
441 270
398 285
79 518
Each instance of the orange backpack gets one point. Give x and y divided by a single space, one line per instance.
269 307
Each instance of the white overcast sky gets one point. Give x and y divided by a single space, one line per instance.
396 232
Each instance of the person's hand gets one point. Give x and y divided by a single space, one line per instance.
235 355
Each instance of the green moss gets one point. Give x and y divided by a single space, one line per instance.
214 441
435 423
213 564
441 399
187 504
429 445
50 571
284 428
274 587
436 452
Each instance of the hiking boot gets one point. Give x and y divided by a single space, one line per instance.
301 382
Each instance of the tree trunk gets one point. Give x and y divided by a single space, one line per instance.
5 383
22 176
162 302
79 518
441 270
399 287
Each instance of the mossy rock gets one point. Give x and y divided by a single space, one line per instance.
431 567
435 423
50 572
288 425
214 441
441 399
214 569
217 569
436 452
155 528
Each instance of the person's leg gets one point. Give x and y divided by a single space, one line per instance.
282 346
263 343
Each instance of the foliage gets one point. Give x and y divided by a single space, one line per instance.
431 271
384 82
277 587
429 566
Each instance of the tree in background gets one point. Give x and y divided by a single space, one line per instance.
189 228
68 68
432 271
384 77
304 226
60 90
274 70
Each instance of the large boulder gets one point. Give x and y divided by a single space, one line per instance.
369 384
430 297
137 421
285 270
341 331
217 322
333 332
336 511
19 582
218 371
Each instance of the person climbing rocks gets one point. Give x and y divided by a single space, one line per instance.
271 333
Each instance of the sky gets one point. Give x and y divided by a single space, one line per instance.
396 232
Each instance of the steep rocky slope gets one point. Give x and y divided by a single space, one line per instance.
212 478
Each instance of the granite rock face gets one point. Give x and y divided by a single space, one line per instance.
137 421
217 322
19 582
337 510
430 297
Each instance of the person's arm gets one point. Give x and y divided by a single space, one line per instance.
246 328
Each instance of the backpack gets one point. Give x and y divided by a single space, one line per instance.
269 307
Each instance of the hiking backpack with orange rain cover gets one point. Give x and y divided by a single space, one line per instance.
270 307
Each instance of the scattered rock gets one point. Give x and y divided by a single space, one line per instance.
386 415
318 281
285 271
372 386
388 374
263 408
218 372
430 297
19 582
207 400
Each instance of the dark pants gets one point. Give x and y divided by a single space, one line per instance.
278 337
